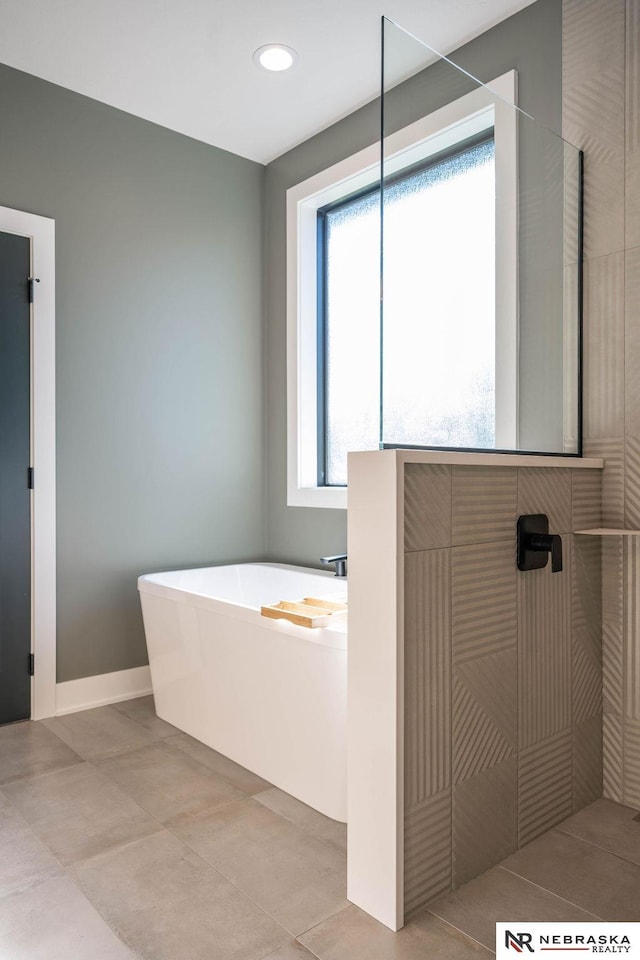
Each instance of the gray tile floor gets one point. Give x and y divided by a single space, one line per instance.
121 837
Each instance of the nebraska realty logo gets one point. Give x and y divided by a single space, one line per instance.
561 939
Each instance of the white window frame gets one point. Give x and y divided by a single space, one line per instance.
492 105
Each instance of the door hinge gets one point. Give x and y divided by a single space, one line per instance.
32 667
30 478
31 281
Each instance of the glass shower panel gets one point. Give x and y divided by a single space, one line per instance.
480 263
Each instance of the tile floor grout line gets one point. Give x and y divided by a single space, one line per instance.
15 810
183 754
112 779
32 885
134 953
43 723
47 773
160 827
598 846
460 930
265 956
316 836
229 880
177 752
500 866
196 854
320 922
305 947
34 776
117 846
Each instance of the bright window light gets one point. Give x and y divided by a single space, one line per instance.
438 349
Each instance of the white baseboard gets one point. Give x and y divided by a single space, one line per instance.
106 688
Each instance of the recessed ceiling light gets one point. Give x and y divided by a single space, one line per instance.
275 56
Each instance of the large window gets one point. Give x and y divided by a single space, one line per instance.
439 368
437 353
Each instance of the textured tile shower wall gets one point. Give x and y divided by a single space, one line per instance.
503 689
601 114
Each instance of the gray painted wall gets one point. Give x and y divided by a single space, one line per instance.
159 353
530 42
160 406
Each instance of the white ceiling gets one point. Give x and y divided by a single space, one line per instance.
187 64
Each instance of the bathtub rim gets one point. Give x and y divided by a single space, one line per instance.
333 637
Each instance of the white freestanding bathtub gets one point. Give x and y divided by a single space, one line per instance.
268 694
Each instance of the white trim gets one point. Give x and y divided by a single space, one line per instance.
355 172
455 121
507 260
88 692
375 686
41 231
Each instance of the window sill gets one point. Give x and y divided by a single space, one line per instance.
333 498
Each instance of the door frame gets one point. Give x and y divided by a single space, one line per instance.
41 232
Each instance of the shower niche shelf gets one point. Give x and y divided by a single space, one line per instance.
608 532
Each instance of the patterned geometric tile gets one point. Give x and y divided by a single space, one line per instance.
586 617
593 40
427 748
427 851
427 506
586 499
586 672
483 599
611 450
631 795
612 670
597 92
570 308
632 165
613 630
544 785
546 491
632 481
604 346
613 581
632 336
631 631
586 587
544 652
587 762
632 196
485 720
612 757
484 820
593 113
603 197
484 504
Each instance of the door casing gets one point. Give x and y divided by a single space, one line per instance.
41 232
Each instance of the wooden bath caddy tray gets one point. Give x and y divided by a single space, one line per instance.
308 612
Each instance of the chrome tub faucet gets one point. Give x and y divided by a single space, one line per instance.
340 561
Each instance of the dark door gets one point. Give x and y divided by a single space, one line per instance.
15 518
